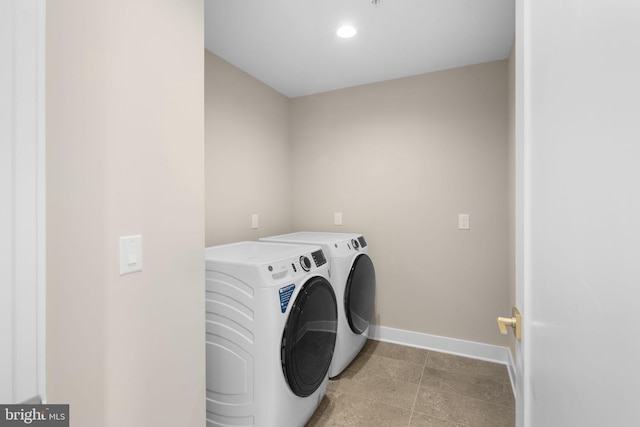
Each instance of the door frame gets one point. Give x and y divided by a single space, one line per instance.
522 195
23 192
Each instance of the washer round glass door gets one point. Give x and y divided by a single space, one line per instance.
360 293
309 337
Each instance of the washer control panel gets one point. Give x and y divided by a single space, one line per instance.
319 258
290 268
305 263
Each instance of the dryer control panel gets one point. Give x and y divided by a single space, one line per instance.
347 246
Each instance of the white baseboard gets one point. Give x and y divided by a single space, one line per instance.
471 349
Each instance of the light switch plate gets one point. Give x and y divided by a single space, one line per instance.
337 218
463 222
130 254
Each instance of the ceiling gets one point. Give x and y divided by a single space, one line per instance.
292 46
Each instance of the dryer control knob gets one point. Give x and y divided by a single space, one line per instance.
305 263
355 244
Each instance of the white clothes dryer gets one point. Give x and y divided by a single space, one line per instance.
271 323
353 278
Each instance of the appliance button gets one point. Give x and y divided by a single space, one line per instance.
305 263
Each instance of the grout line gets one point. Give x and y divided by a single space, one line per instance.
415 399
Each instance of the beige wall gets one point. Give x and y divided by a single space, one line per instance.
247 156
125 147
401 159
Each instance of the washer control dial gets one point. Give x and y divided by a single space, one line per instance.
355 244
305 263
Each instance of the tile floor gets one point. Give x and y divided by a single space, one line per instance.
393 385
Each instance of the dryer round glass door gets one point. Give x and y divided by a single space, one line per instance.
309 337
360 293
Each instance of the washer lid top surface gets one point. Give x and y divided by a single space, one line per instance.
255 253
313 237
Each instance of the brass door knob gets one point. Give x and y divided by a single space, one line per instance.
514 322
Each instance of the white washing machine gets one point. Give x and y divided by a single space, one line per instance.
353 278
271 323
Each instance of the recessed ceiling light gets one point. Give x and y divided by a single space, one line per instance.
346 31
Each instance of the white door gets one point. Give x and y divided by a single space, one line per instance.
22 220
580 236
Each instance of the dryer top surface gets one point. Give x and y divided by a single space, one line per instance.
314 237
334 244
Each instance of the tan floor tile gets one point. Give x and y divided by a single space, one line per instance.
324 413
332 386
360 360
387 381
372 364
355 411
396 351
370 346
379 389
423 420
462 409
469 385
463 365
